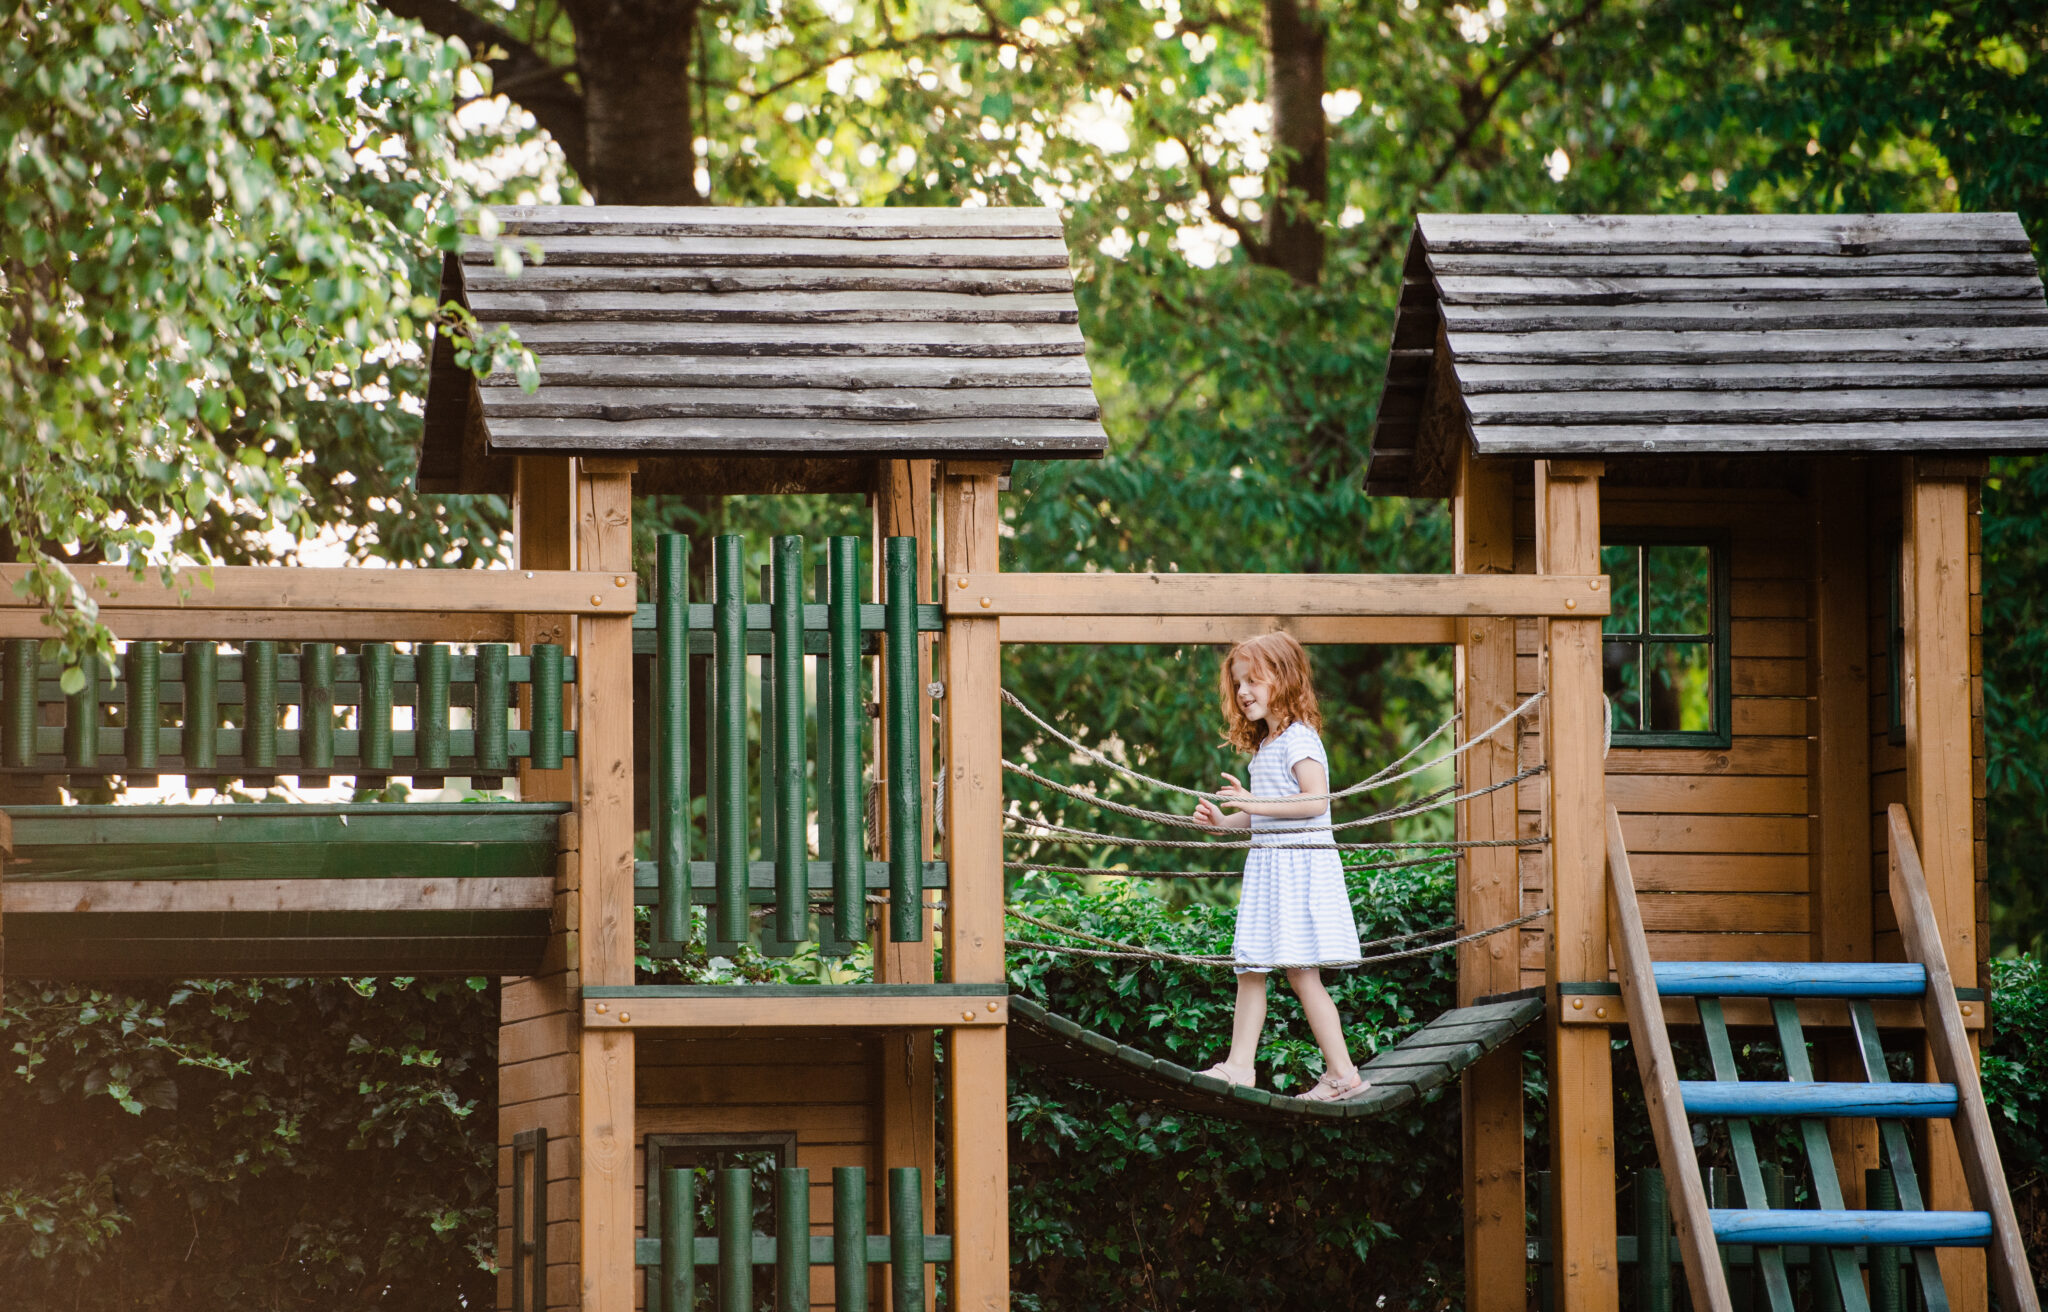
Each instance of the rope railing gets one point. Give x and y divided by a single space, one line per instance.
1371 783
1067 833
1132 952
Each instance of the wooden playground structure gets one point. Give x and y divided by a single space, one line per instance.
1713 484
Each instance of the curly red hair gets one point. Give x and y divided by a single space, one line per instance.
1283 663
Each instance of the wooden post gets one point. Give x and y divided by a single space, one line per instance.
1936 594
1581 1067
604 808
539 1061
977 1132
908 1068
1489 892
1839 768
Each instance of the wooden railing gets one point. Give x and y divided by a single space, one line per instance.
1705 1279
786 631
1954 1063
673 1250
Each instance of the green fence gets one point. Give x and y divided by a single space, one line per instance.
1657 1281
264 709
835 634
674 1252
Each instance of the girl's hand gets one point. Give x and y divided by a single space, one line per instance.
1233 789
1208 813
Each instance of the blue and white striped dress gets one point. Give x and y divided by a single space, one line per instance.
1294 909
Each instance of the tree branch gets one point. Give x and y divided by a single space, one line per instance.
1482 114
520 72
891 46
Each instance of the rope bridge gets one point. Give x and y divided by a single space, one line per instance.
1035 829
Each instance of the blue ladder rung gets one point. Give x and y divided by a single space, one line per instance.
1781 1098
1846 1229
1801 979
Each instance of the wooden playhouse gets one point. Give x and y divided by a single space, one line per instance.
1713 483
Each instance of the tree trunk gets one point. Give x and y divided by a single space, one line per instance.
1296 36
633 59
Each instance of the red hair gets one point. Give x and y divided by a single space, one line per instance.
1283 663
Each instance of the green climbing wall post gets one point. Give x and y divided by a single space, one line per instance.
144 662
849 1239
671 808
792 807
849 862
729 743
905 736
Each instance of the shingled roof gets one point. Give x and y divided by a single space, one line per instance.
767 333
1562 335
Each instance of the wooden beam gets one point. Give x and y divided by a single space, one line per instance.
1705 1279
604 813
291 587
812 1010
284 625
1582 1069
1489 892
544 513
1955 1062
1816 1016
202 896
977 1132
1217 630
907 1073
1581 593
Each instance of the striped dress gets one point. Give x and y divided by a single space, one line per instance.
1294 909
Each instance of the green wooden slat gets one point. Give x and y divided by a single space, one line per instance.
141 695
1742 1144
381 955
198 741
82 720
873 1249
851 1250
547 747
906 730
492 736
1839 1271
18 726
849 714
735 1239
259 727
344 750
430 724
728 791
906 1239
1898 1153
669 807
315 745
761 880
676 1248
793 1240
760 618
792 806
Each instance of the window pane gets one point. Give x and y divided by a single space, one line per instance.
1680 588
1681 687
1623 677
1619 564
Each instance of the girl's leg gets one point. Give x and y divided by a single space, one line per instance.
1240 1067
1323 1023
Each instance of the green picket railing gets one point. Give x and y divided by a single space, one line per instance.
1653 1253
836 634
198 711
673 1251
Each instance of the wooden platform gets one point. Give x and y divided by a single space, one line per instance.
279 888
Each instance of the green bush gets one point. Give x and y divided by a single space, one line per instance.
1120 1204
2016 1086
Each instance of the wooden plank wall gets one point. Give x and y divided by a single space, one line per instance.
823 1086
1718 837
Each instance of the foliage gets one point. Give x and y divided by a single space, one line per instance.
276 1144
2016 1087
1120 1205
2015 524
217 217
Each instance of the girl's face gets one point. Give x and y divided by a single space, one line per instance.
1254 689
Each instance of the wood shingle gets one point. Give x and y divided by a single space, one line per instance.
1582 335
766 334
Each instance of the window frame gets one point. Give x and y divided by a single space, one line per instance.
1716 541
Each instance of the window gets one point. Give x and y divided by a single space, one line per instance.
1665 645
706 1154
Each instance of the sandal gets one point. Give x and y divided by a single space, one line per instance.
1329 1088
1219 1072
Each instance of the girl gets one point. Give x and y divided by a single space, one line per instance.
1294 909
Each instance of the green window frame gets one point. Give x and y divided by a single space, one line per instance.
1667 635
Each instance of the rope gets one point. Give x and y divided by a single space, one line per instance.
1129 952
1377 781
1119 840
1035 868
1071 932
1420 806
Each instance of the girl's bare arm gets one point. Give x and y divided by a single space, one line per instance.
1312 777
1210 814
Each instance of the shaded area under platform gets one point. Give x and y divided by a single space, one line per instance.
1427 1059
98 892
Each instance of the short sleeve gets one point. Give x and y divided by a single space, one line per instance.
1302 743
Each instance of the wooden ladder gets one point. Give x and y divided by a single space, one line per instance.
1831 1232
